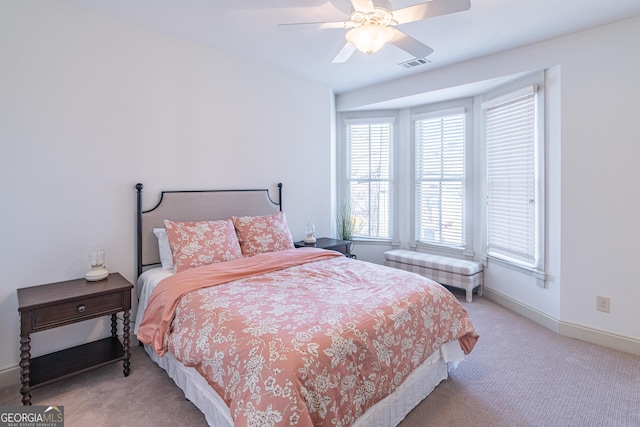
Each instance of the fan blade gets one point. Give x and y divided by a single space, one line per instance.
315 25
363 5
429 10
344 54
410 45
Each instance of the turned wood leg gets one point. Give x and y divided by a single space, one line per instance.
114 325
125 342
25 363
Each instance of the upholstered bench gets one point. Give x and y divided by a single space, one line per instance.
455 272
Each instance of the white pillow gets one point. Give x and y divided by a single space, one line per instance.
166 258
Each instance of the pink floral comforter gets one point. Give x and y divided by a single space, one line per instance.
316 342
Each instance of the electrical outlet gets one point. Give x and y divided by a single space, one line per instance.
603 304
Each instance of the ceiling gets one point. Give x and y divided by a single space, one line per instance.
248 28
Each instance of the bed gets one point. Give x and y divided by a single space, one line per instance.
258 333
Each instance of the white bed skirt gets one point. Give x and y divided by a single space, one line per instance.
386 413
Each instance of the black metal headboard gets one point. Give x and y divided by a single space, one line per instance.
195 205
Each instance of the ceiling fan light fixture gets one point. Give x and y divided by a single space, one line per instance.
369 37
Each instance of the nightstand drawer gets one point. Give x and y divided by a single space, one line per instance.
79 309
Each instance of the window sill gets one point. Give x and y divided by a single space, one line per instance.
442 250
371 241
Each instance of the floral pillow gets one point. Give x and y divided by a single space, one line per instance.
201 242
259 234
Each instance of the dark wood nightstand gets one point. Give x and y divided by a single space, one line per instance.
58 304
343 246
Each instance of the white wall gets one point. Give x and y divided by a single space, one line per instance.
592 176
89 106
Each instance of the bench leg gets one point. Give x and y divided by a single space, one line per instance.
469 294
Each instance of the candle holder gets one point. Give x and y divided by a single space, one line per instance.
310 239
96 262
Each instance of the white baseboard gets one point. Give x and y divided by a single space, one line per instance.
605 339
567 329
10 376
522 309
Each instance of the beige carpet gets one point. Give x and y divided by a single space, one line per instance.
519 374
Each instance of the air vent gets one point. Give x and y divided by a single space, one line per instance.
414 62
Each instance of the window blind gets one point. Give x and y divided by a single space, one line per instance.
439 140
512 193
369 175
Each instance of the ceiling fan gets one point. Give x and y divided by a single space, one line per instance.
371 26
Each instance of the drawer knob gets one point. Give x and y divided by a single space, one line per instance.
81 308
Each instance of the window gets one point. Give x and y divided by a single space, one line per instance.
439 141
461 177
368 175
514 170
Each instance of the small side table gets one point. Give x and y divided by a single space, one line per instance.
58 304
343 246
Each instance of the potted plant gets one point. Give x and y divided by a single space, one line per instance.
347 222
